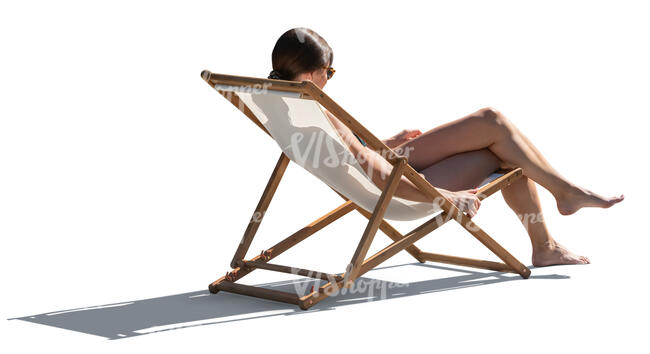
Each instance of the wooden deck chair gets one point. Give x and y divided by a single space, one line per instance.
289 109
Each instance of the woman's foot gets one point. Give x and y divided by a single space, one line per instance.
577 198
554 253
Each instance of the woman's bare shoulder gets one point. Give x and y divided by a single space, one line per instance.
332 118
328 113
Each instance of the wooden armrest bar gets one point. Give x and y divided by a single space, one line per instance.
499 183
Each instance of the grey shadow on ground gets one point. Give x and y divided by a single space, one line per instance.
200 308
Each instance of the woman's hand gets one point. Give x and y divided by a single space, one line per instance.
467 201
402 137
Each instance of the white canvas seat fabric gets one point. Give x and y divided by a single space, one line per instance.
303 132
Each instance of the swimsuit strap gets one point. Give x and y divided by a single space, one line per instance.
362 142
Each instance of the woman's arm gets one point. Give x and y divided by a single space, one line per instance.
378 169
375 165
467 200
401 137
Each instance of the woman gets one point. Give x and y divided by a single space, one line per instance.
454 157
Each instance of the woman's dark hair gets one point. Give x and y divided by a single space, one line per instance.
299 50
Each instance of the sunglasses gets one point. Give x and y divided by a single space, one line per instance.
330 71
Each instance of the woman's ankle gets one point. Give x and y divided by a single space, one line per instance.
565 191
546 245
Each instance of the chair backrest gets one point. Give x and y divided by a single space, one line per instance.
304 133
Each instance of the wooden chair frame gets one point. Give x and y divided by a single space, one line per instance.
359 264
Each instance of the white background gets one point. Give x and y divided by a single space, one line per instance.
125 178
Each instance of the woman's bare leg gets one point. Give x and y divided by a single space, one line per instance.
566 208
466 170
522 198
461 171
488 128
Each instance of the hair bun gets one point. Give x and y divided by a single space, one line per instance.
275 75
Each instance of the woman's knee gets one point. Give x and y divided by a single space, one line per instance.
495 120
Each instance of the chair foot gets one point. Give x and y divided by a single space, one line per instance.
213 288
305 305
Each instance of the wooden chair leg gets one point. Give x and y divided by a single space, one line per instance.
333 285
260 210
354 267
389 230
320 294
292 240
493 246
395 235
410 238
